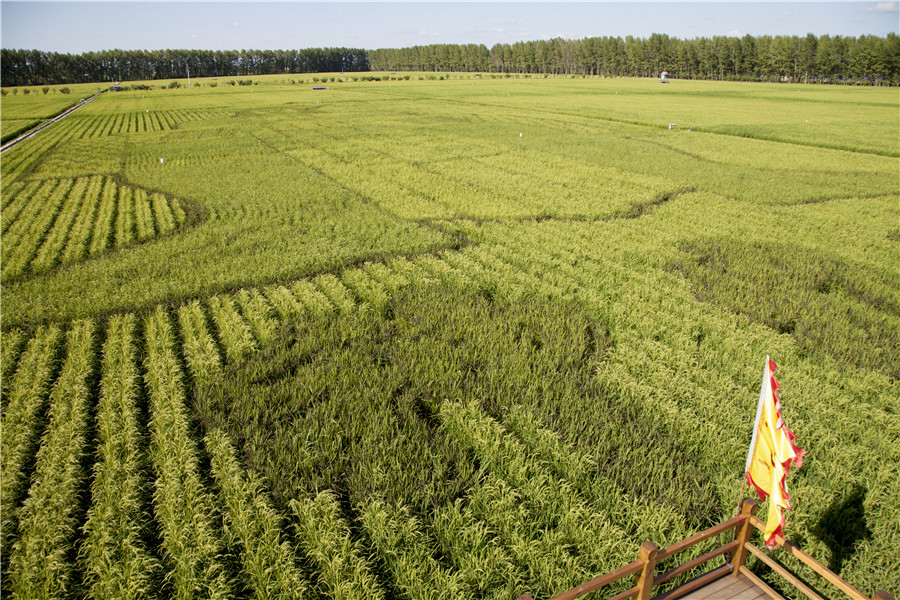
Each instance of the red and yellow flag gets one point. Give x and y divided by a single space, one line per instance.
772 451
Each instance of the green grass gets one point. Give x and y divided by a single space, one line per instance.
459 338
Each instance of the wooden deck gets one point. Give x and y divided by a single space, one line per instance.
730 581
729 588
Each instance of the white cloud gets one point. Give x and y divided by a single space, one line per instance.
735 33
424 33
235 24
883 7
787 13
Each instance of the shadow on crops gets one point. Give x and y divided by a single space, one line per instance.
350 402
843 525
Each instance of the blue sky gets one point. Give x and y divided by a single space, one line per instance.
77 27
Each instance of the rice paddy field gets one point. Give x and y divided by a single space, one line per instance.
439 337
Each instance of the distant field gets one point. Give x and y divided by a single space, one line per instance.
424 338
20 112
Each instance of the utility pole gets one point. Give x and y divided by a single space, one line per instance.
189 75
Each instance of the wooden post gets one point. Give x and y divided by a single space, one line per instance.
742 535
643 581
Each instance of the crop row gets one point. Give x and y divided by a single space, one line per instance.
370 289
19 160
426 174
59 222
252 526
115 558
371 286
140 122
648 373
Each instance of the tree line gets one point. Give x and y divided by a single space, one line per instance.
36 67
866 59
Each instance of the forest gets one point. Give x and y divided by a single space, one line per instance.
35 67
827 59
867 60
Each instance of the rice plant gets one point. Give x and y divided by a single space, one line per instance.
285 303
476 552
336 292
547 508
315 302
199 348
267 559
15 200
408 554
258 313
603 288
77 247
234 332
143 215
369 292
125 217
25 242
12 344
162 214
103 227
49 254
324 536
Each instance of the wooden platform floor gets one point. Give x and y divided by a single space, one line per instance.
728 588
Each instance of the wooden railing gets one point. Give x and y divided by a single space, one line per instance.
820 569
645 577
